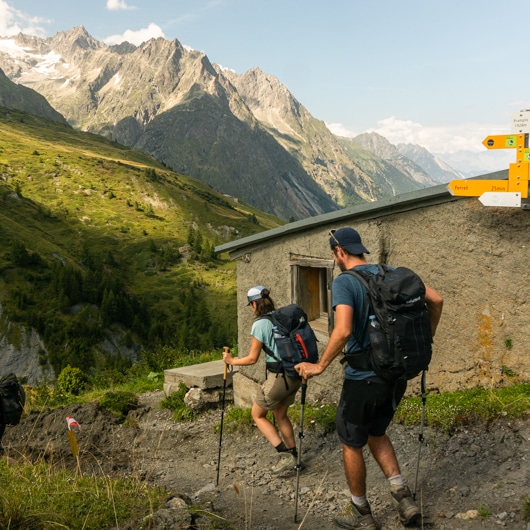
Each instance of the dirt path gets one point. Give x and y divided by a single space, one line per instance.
477 468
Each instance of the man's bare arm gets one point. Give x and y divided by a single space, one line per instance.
434 302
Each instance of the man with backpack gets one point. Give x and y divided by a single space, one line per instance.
368 401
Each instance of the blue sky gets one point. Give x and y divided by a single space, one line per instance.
440 74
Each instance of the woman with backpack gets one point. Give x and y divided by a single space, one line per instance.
277 393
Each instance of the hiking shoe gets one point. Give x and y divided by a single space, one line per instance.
409 513
356 518
287 461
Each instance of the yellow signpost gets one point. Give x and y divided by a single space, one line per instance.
475 188
500 192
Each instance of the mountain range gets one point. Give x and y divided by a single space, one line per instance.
244 135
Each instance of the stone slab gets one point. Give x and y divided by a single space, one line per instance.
205 376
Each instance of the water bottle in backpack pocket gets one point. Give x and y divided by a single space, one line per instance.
378 344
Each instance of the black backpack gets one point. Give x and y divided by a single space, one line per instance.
295 340
12 400
399 328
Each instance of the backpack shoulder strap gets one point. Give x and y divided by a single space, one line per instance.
362 277
367 306
268 351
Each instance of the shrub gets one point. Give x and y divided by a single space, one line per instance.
119 402
72 380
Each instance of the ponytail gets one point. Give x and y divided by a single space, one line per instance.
264 304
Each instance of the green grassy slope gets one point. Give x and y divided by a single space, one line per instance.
95 236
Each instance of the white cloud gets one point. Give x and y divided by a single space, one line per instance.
459 145
437 139
13 21
340 129
226 69
449 138
153 31
118 5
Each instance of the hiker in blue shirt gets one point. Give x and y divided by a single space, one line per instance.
367 403
278 391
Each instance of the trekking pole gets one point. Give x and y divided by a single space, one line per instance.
226 349
420 435
299 459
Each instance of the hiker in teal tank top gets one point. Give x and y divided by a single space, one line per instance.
274 394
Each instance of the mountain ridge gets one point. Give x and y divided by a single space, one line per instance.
242 134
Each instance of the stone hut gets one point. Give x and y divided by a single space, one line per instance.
475 256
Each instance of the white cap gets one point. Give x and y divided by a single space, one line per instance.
255 293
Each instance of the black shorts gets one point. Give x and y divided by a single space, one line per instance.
366 408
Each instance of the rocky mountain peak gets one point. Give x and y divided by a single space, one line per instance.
377 144
237 133
74 39
439 170
381 147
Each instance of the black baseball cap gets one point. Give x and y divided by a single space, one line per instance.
348 239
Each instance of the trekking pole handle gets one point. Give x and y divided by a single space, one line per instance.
226 349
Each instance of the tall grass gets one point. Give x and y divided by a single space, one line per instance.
42 495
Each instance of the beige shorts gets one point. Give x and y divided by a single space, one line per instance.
273 391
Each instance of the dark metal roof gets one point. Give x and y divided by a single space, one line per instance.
369 210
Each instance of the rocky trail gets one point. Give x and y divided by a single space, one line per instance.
477 478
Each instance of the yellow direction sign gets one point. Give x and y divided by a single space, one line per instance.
501 141
518 174
475 188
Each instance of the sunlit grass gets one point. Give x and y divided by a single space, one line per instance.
320 418
445 411
450 410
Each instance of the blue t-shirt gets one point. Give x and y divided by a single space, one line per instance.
262 331
347 290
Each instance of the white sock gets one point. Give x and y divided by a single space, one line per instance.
359 501
396 482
